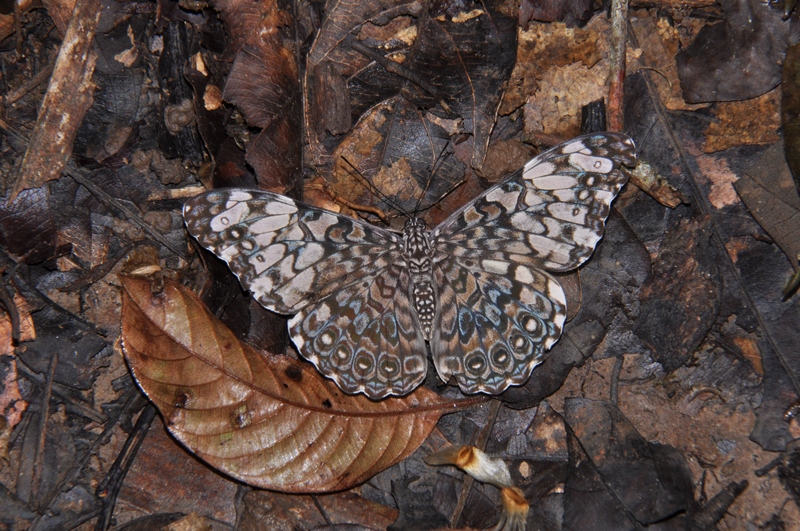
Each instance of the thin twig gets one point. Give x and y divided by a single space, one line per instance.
73 171
614 391
40 77
20 35
766 469
701 390
480 443
130 400
60 309
44 410
11 309
96 273
14 132
61 393
109 488
321 510
619 26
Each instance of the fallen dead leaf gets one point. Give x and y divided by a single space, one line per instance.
754 121
267 420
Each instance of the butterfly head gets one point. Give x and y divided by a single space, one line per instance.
415 224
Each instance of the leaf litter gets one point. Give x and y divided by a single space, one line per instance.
680 345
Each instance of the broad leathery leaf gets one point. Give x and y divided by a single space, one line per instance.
268 420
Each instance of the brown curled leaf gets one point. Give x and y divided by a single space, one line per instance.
267 420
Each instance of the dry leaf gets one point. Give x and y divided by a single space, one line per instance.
558 70
11 402
659 40
768 191
543 46
263 83
267 420
754 121
377 150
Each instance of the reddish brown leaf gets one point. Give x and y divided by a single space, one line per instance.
264 85
162 480
11 402
268 420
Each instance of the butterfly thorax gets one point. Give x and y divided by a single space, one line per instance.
418 260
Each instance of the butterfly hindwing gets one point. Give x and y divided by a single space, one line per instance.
496 322
286 253
364 337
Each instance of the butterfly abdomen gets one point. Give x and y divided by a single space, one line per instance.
418 259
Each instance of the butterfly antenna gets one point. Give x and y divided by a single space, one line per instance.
374 189
443 196
437 164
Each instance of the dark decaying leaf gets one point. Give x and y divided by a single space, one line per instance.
396 146
571 12
264 85
415 512
177 134
267 420
790 110
449 81
737 59
466 53
752 272
163 479
768 190
680 300
110 123
211 113
618 480
79 350
27 229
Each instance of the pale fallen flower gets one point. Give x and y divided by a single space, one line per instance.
491 470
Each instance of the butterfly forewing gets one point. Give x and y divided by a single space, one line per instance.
338 275
549 214
496 309
286 253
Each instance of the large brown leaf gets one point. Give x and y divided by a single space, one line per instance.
267 420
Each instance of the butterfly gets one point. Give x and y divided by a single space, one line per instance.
477 290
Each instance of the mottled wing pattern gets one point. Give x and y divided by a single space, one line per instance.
348 283
495 323
336 274
364 337
288 254
551 213
499 310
